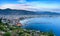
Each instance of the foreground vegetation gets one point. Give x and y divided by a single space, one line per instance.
13 30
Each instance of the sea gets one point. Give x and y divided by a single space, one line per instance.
44 24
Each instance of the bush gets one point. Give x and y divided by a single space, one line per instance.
50 33
7 34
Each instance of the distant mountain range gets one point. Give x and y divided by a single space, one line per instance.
25 12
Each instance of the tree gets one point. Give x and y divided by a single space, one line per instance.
0 20
7 34
50 33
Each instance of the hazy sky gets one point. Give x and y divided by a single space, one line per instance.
33 5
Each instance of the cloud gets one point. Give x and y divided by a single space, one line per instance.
41 5
15 6
32 6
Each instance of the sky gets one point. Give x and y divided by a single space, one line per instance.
32 5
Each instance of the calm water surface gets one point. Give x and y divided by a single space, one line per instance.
43 24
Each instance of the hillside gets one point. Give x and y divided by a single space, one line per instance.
25 12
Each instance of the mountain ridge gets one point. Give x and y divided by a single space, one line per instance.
25 12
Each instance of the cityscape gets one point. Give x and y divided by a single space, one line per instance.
12 27
29 17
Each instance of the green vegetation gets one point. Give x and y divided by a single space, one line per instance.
7 34
11 30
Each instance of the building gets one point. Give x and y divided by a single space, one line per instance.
10 21
18 24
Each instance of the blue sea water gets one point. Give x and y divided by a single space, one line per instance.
43 24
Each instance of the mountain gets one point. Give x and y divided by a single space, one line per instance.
25 12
